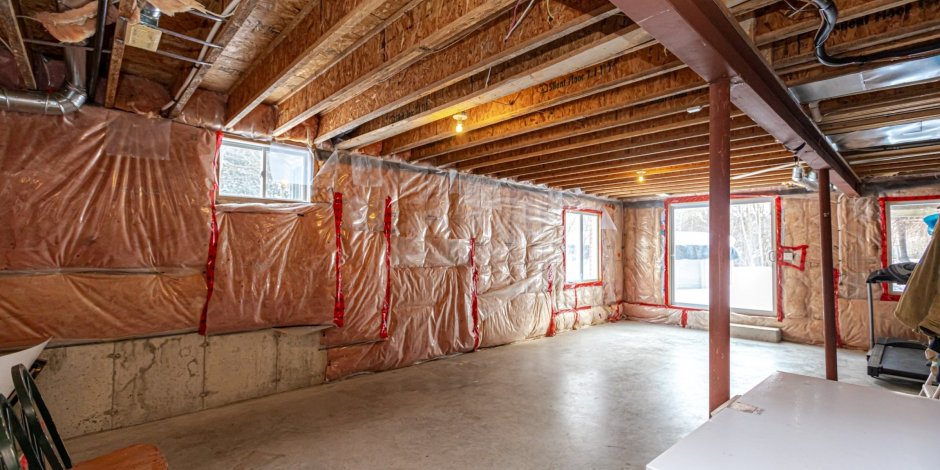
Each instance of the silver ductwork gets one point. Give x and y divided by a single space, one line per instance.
889 136
898 74
65 101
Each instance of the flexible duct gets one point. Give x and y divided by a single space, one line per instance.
67 100
830 16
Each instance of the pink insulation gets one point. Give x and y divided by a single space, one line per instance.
104 224
274 267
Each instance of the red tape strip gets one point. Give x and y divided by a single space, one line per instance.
551 301
474 310
386 302
213 237
339 305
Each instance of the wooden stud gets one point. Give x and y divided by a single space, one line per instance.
10 27
426 29
316 42
125 10
226 33
480 53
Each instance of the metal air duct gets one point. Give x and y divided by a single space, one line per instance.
67 100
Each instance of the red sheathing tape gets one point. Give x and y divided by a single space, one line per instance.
778 217
213 236
339 305
551 301
835 277
474 308
684 319
564 244
386 302
802 251
886 294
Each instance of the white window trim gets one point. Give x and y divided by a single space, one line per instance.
889 242
670 229
265 148
581 280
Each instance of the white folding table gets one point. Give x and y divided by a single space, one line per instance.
792 422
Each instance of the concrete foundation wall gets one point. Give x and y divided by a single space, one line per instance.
98 387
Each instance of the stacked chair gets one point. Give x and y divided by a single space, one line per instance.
32 441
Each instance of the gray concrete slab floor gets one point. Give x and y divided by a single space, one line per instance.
610 396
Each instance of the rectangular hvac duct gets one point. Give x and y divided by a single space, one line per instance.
897 74
889 136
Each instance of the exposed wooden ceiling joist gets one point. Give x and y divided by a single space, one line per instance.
118 46
479 53
429 27
327 31
184 89
10 27
709 41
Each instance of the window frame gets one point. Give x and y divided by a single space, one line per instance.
600 248
889 293
265 148
671 253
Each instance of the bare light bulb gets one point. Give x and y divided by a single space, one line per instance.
459 127
640 176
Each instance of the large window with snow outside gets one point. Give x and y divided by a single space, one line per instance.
908 235
582 247
753 255
273 172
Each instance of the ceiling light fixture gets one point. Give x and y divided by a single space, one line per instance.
694 109
640 176
460 118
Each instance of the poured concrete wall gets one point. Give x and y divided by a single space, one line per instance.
97 387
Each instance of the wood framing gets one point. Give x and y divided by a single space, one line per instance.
10 26
425 29
317 41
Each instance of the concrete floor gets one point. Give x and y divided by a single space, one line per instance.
611 396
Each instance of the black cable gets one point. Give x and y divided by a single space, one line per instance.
830 16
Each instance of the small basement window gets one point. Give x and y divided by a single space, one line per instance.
907 231
582 247
257 171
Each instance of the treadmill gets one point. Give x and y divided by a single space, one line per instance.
894 357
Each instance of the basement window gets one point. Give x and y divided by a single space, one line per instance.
907 231
268 172
582 247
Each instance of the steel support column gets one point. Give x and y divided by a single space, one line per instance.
828 275
719 253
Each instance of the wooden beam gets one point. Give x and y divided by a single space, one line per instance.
125 10
671 84
645 160
679 172
705 37
612 121
571 164
772 27
326 31
621 71
617 135
225 34
426 29
673 161
10 27
432 78
698 185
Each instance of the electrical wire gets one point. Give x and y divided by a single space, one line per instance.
830 16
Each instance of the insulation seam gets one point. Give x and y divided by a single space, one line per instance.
213 236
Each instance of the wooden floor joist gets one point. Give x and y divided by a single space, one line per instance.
674 109
10 27
477 54
324 34
439 23
231 26
117 53
570 163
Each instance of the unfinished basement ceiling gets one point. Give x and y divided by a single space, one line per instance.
569 94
